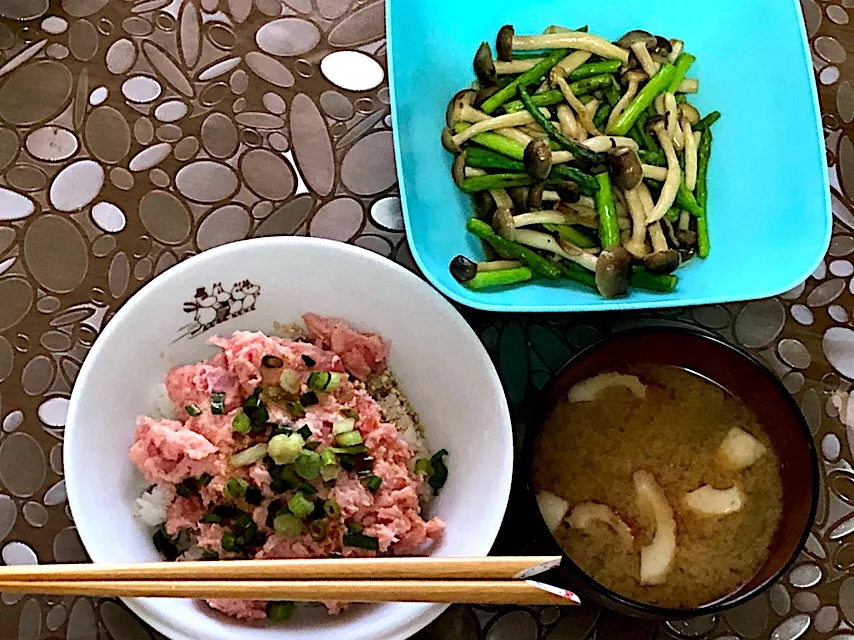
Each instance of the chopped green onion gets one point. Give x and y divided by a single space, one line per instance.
355 527
275 392
307 465
372 483
350 413
204 480
305 431
359 448
332 509
307 489
287 524
313 444
423 466
279 611
440 471
164 545
228 541
226 511
349 439
295 409
186 488
317 530
285 449
207 554
300 506
309 361
254 496
343 426
329 464
327 457
361 541
241 423
249 456
280 430
211 518
319 380
193 410
255 409
272 362
308 399
235 488
290 381
218 403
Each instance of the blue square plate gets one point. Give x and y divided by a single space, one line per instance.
769 205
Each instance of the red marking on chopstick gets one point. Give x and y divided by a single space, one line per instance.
537 569
561 593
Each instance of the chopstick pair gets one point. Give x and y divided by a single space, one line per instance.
490 580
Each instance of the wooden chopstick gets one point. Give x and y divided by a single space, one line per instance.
461 591
374 569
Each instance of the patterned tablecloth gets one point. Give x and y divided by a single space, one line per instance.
136 133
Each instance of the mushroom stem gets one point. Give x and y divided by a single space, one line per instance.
517 135
657 237
516 66
676 48
606 143
550 196
539 217
574 60
497 265
673 180
498 122
625 100
545 242
583 115
473 172
649 65
688 85
571 40
684 221
690 156
651 172
569 125
502 198
646 199
580 214
671 114
637 243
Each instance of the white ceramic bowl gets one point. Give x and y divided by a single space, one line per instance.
442 367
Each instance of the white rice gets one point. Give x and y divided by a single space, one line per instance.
151 506
164 408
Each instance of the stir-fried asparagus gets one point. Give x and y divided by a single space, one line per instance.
586 156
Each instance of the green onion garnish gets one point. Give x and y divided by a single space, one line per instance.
193 410
350 413
228 541
164 544
280 430
372 483
354 450
241 423
307 465
226 511
186 488
235 488
308 399
255 409
332 509
300 506
289 380
254 496
287 524
249 456
275 392
307 489
295 409
305 431
423 466
324 380
211 518
317 530
440 471
279 611
309 361
343 426
327 457
204 480
272 362
349 439
361 541
285 449
218 403
355 527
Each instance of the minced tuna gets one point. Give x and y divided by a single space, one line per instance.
287 448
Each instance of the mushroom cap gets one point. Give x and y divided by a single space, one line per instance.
568 191
535 197
458 168
484 204
485 94
625 167
635 36
538 159
662 49
633 75
504 42
463 98
484 66
687 238
463 269
519 196
689 112
502 222
613 271
662 262
655 122
448 141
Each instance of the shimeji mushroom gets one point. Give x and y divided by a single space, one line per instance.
625 168
671 115
461 109
587 390
570 40
505 121
538 159
690 156
657 557
606 143
539 217
676 48
504 43
586 515
636 245
484 66
663 259
674 173
558 79
553 508
640 42
569 125
652 172
708 501
688 85
612 267
633 78
739 450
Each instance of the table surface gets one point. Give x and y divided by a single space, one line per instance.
116 118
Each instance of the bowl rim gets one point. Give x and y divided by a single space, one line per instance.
422 614
722 604
481 300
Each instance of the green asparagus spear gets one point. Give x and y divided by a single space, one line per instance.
570 234
602 114
533 75
704 153
672 214
683 63
654 88
537 263
594 69
580 152
486 159
685 200
641 279
503 278
609 228
656 158
586 183
548 98
496 181
708 121
612 95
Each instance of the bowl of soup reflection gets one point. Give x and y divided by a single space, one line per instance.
674 473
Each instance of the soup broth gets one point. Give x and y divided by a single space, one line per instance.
591 451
